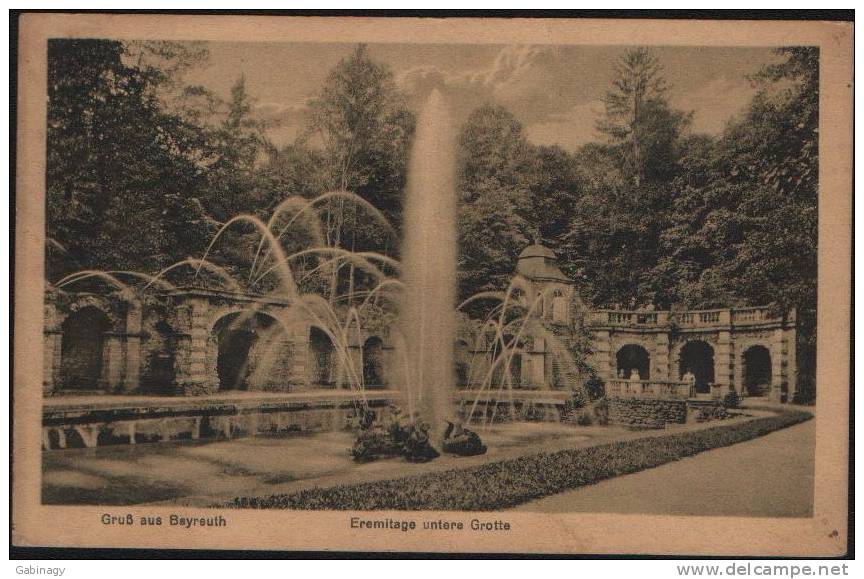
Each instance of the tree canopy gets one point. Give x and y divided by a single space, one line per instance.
142 170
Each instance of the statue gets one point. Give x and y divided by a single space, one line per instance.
366 419
690 379
460 441
416 447
397 437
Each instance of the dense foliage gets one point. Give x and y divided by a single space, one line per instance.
507 483
142 170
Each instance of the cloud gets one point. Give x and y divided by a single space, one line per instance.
284 121
517 78
555 91
513 64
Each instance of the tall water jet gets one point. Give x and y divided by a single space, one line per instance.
429 266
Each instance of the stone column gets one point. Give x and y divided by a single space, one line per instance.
132 373
191 362
738 370
286 354
660 358
298 370
603 363
199 333
51 360
346 375
778 357
273 363
52 344
723 363
112 362
182 347
791 361
674 361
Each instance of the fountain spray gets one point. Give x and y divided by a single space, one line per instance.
429 266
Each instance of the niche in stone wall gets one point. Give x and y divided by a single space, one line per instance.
82 349
158 377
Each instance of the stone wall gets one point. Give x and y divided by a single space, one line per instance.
647 413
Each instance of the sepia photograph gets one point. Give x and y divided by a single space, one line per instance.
434 282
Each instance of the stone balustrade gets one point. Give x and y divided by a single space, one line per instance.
705 319
649 389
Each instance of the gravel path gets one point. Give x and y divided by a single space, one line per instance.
771 476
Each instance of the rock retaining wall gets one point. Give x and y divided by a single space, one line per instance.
647 413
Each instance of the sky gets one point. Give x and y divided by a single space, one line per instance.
555 91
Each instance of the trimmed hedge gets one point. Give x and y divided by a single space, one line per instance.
507 483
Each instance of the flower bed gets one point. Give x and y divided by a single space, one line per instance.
511 482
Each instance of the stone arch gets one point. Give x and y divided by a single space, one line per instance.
630 358
108 308
697 356
373 363
245 353
757 370
82 349
322 359
217 316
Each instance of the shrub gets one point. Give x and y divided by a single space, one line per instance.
595 388
601 412
805 391
531 413
577 401
585 418
711 413
579 398
731 400
508 483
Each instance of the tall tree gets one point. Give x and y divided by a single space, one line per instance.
744 227
495 177
362 120
638 120
557 184
117 164
776 149
234 177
